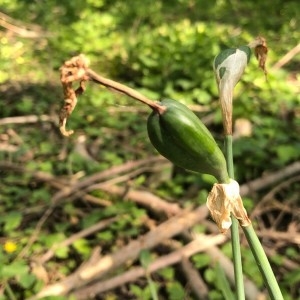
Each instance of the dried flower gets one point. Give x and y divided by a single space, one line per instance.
224 200
261 52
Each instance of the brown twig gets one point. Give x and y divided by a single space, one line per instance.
130 252
76 69
265 181
216 255
36 231
19 28
291 237
104 175
287 57
121 88
144 198
81 234
289 264
261 183
188 250
26 119
194 279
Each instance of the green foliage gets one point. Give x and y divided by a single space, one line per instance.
175 291
141 293
167 273
163 49
145 259
11 221
223 283
201 260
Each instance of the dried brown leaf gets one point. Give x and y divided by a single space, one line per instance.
261 52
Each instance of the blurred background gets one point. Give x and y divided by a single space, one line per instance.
163 49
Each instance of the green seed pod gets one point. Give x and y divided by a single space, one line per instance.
179 135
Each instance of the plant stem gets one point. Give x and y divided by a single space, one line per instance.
235 239
121 88
9 291
254 243
223 283
263 263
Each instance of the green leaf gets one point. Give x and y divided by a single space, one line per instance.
223 283
293 277
105 236
167 273
26 280
175 291
16 268
201 260
82 247
62 252
145 258
140 293
11 220
51 239
287 153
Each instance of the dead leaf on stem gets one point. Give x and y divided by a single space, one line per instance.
261 52
72 70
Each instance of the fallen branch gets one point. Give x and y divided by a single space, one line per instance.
70 240
291 237
245 189
26 119
58 289
194 279
268 180
195 246
130 252
8 148
144 198
287 57
17 27
104 175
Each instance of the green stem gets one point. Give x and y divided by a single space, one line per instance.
9 291
263 263
235 238
254 243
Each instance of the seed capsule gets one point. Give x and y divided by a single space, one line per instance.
179 135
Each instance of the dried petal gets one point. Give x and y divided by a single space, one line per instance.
223 200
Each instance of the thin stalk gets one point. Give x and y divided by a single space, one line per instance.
235 238
123 89
10 292
152 287
254 243
223 283
263 263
